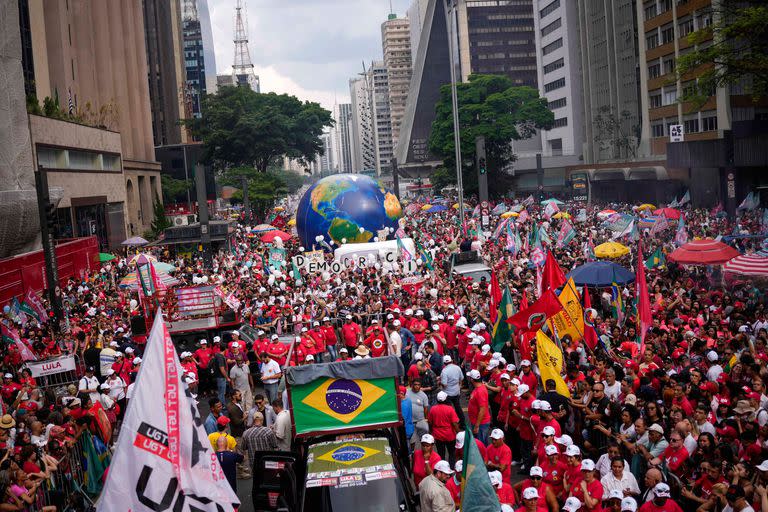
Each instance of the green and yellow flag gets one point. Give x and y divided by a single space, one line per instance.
332 405
656 259
550 359
502 330
477 492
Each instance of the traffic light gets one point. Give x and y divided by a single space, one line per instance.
50 217
481 164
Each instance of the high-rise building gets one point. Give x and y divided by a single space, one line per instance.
396 46
199 58
378 81
91 58
167 76
416 14
363 138
323 164
342 142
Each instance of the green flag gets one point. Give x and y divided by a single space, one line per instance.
477 493
656 259
29 310
502 331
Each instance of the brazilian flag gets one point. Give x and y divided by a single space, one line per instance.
502 330
477 493
656 259
338 404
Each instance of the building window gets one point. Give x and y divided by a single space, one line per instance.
549 9
691 125
704 19
557 84
558 103
551 27
556 146
669 65
657 129
685 26
670 97
654 71
552 66
665 5
563 121
651 40
667 34
650 10
554 45
709 121
654 98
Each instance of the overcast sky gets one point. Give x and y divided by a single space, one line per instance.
308 48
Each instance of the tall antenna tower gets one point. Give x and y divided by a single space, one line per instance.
242 69
189 10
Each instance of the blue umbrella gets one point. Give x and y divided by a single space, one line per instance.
601 274
437 208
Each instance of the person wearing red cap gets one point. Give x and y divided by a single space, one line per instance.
221 431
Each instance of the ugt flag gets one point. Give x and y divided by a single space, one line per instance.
163 459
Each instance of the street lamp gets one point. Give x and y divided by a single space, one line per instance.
451 26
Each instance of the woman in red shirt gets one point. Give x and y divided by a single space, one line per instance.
425 459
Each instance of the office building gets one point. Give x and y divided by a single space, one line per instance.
342 137
378 80
224 81
92 57
199 58
416 14
396 46
323 163
362 137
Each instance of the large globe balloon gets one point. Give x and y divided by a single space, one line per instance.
351 207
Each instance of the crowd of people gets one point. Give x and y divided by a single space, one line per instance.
682 425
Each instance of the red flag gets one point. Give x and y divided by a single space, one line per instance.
534 317
590 334
495 297
644 318
552 276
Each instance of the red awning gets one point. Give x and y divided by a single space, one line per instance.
703 252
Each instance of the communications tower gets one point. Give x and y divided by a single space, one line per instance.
242 69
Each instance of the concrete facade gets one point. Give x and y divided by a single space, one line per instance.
378 80
396 46
363 140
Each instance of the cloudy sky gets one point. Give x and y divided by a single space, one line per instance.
309 48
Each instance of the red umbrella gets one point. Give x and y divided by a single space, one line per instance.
703 252
748 264
669 213
276 233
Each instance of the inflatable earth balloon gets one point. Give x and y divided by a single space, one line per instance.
346 206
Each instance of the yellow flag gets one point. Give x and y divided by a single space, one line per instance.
570 321
550 359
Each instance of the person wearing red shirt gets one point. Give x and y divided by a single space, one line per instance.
277 350
319 339
531 499
9 388
443 424
505 396
479 408
554 470
523 415
186 362
351 333
528 377
123 367
546 498
573 476
329 336
459 453
203 354
504 491
674 455
419 327
462 338
702 488
414 370
450 333
376 342
589 490
454 484
662 502
500 456
424 460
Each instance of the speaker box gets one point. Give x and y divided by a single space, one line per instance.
138 326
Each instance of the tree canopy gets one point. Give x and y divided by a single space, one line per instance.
264 188
732 50
240 127
492 107
174 190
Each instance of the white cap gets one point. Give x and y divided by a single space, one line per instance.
435 327
548 430
712 356
661 490
396 310
495 477
550 449
497 356
656 428
573 451
343 349
418 356
535 404
497 433
203 342
544 405
507 508
475 328
763 466
110 372
408 312
493 363
447 359
114 344
522 389
572 504
326 319
564 440
419 313
473 374
481 325
120 329
348 317
217 339
459 466
443 467
314 324
309 357
374 321
442 396
136 360
390 316
427 438
628 504
396 323
504 376
530 493
275 337
515 381
474 340
615 494
237 345
511 367
235 333
485 349
262 333
129 350
525 362
460 440
536 471
587 465
104 386
304 329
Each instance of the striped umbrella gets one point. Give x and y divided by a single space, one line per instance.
132 283
748 264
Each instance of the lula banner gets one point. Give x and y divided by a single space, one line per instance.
163 459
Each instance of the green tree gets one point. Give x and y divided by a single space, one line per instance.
732 50
174 190
160 221
264 188
240 127
492 107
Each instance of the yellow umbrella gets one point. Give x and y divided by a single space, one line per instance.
646 206
456 206
292 222
507 215
611 250
426 207
562 215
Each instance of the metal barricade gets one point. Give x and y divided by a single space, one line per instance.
66 488
54 375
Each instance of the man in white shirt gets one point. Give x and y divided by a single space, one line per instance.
612 386
89 384
282 426
270 376
714 368
395 341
